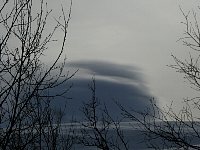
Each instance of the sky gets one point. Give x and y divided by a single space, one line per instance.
126 45
131 33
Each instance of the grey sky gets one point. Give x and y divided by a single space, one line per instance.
133 32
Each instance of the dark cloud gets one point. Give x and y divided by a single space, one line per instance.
131 94
109 69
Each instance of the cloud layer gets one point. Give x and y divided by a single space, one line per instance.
114 82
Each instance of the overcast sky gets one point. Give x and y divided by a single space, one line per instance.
138 33
126 45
